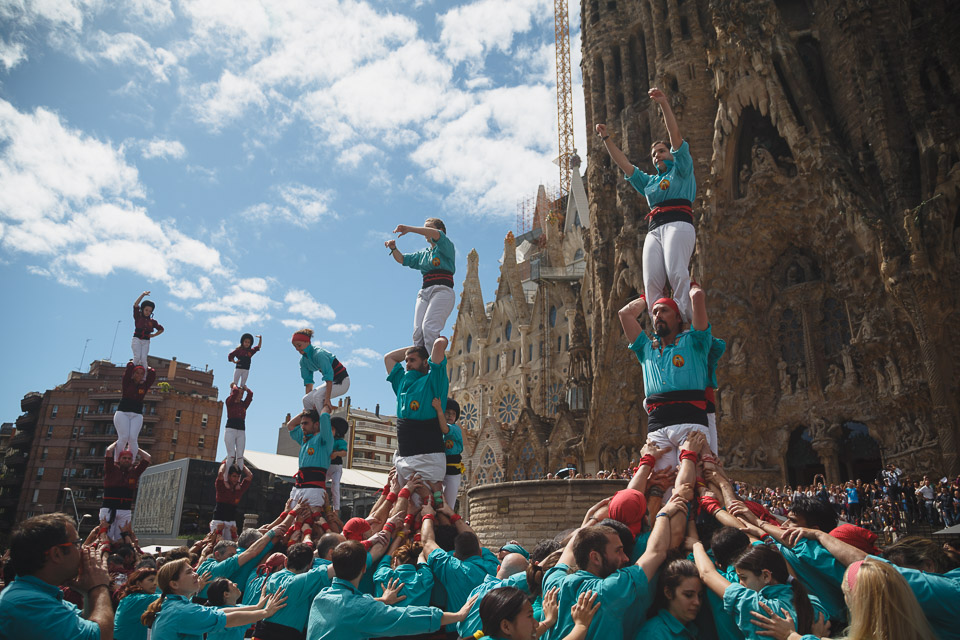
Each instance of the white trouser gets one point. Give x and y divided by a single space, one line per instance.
240 377
115 533
666 258
451 487
314 496
434 305
226 528
314 399
712 432
432 467
140 350
334 472
128 425
674 436
235 440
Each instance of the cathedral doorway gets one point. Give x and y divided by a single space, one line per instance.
859 453
803 463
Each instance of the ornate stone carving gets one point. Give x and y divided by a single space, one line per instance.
893 375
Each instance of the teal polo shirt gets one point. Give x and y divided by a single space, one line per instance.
181 619
416 391
664 626
300 589
938 595
676 182
441 255
453 440
459 577
126 622
821 573
739 601
342 612
316 359
417 582
233 633
315 450
472 623
681 366
717 348
32 608
622 590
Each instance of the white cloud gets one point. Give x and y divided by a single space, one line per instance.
218 103
329 344
11 54
355 362
298 204
302 303
472 30
71 199
237 321
340 327
221 343
129 49
257 285
294 323
364 352
160 148
154 13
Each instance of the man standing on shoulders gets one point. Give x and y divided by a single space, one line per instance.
230 488
46 553
120 481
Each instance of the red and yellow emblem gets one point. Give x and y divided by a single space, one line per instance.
664 184
449 444
309 451
678 360
436 262
414 405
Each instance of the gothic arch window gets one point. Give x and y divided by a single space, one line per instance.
497 475
518 474
554 394
553 316
579 254
791 337
536 471
527 452
488 458
638 54
835 329
508 409
618 80
469 343
508 331
481 477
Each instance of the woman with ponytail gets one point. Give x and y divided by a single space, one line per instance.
174 616
679 597
400 563
224 594
764 580
881 605
136 595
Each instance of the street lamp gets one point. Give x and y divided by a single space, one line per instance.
69 492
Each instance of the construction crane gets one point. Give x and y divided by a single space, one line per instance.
561 22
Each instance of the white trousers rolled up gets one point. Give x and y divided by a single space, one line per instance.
141 349
235 440
128 425
314 399
240 377
334 472
434 305
451 487
666 259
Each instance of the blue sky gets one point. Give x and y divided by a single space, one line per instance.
245 160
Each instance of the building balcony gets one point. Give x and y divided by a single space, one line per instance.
15 460
9 500
363 426
22 437
366 445
31 402
11 480
371 465
26 421
80 481
98 437
88 459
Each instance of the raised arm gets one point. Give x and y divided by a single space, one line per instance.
615 154
295 421
426 232
394 252
698 301
708 572
428 535
93 583
439 351
144 456
659 542
441 419
259 341
650 454
254 550
844 553
394 357
140 298
668 118
630 318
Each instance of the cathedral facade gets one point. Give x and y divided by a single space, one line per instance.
826 148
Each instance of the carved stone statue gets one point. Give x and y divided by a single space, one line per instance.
738 356
726 401
926 433
763 162
758 460
746 408
785 386
881 381
801 378
745 175
893 375
607 459
834 377
738 457
849 372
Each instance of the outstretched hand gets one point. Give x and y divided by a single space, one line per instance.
391 591
601 130
585 608
657 96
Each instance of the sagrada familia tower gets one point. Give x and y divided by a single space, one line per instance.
826 143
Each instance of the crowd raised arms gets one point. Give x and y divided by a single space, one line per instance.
684 551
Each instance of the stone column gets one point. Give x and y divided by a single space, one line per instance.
827 450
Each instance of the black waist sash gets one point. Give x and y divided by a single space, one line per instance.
225 511
676 407
415 437
117 498
266 630
439 276
240 424
311 478
130 405
339 372
670 211
454 464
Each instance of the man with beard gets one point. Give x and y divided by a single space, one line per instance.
597 553
119 489
675 371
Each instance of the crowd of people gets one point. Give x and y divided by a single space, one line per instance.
684 551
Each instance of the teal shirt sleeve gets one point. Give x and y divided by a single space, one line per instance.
25 613
339 445
306 373
702 340
682 160
383 574
297 434
820 572
639 346
622 588
324 362
200 619
225 568
717 349
453 440
938 596
447 253
638 179
396 376
415 260
438 384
